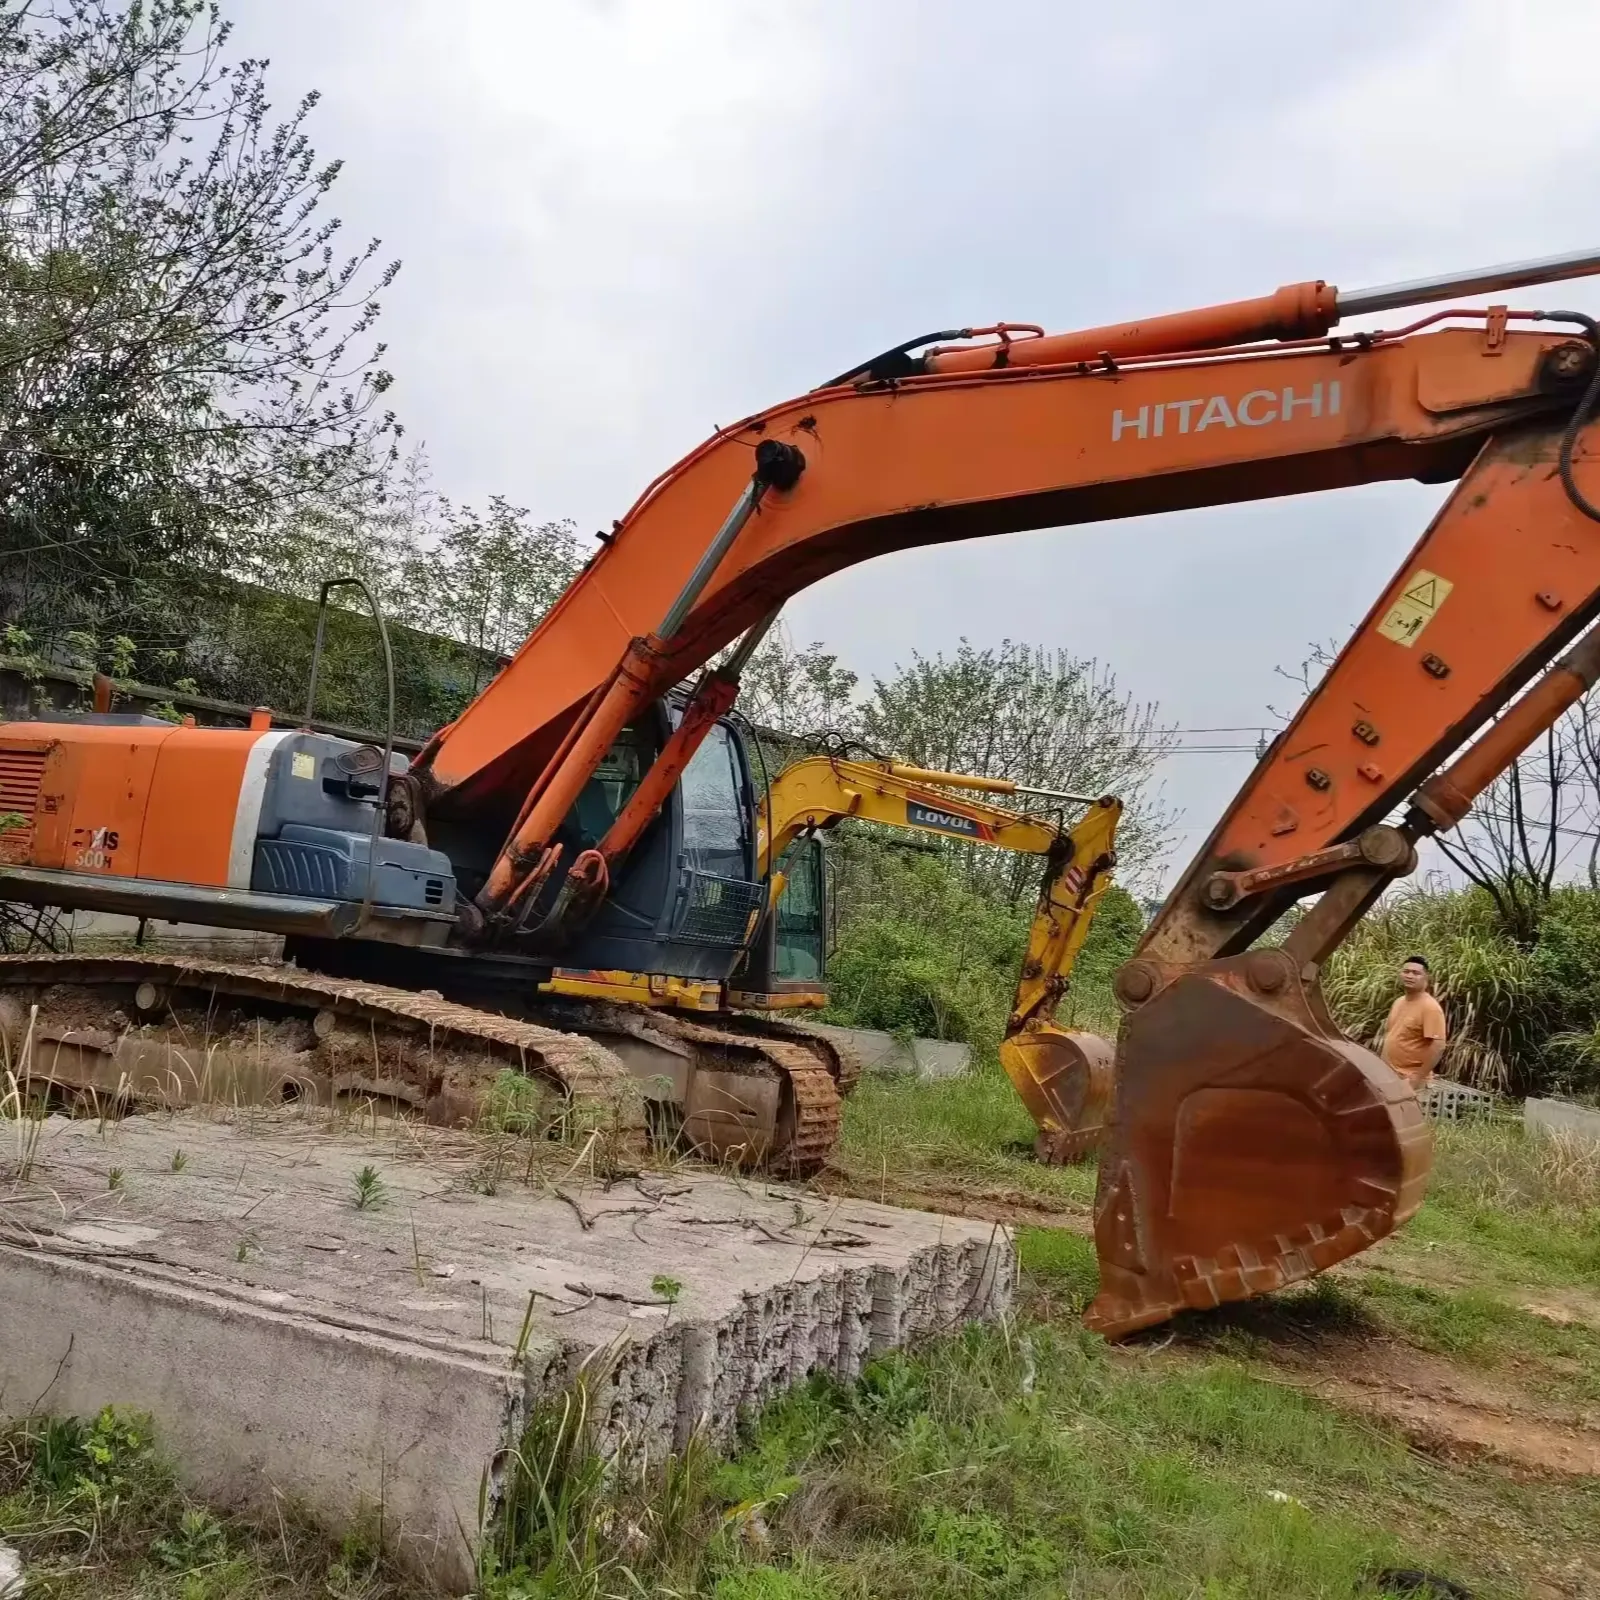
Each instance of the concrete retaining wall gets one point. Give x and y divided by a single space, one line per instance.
251 1401
885 1053
1561 1116
287 1341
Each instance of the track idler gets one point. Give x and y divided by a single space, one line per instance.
1251 1144
1065 1080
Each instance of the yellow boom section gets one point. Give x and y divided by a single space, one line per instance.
1063 1076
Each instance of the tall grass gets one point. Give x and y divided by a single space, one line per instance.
1522 1019
1511 1208
1024 1461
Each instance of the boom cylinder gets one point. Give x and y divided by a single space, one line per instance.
1296 311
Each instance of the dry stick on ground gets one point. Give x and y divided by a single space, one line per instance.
659 1195
584 1221
614 1294
582 1305
587 1220
807 1251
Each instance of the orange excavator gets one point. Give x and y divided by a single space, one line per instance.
1252 1144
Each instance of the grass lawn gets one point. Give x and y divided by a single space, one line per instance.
1227 1458
962 1138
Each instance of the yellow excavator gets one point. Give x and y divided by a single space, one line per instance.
1064 1076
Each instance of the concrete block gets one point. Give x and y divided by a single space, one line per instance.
356 1357
1561 1116
880 1052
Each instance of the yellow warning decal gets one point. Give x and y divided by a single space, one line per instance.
303 765
1419 601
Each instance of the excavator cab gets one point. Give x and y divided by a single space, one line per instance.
786 966
688 898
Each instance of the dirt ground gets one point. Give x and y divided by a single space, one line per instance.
1443 1407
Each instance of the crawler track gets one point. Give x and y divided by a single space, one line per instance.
808 1124
84 1027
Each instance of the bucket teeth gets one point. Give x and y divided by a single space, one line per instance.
1250 1148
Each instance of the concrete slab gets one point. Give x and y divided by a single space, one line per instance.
1561 1116
217 1272
887 1053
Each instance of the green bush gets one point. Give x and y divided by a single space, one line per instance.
922 954
772 1583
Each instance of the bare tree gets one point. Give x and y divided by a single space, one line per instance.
1518 841
1510 844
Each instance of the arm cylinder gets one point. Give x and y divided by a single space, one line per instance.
1481 280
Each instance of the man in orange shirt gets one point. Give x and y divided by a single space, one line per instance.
1414 1037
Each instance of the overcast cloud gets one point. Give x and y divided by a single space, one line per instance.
625 221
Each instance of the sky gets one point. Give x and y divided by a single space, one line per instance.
624 222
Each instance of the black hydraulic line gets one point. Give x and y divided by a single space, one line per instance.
895 362
1581 416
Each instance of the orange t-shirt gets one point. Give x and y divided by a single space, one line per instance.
1415 1022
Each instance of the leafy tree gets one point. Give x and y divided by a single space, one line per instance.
801 698
930 931
1045 719
183 347
470 585
489 577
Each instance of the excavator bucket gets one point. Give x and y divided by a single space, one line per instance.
1251 1145
1065 1080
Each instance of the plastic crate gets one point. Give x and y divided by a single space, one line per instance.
1445 1101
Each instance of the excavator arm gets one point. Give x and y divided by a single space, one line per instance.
822 791
1063 1076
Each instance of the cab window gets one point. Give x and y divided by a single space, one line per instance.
800 943
611 786
715 835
